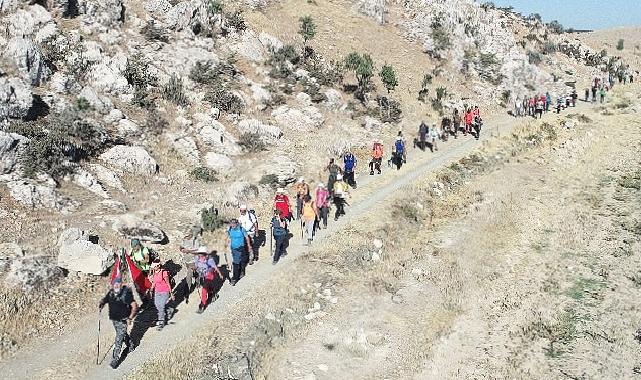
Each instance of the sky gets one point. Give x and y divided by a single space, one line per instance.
581 14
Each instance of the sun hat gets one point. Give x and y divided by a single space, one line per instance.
243 207
202 249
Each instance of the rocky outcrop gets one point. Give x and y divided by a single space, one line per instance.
132 226
304 119
76 252
259 128
10 146
281 166
87 181
38 195
219 162
28 60
130 159
31 272
376 9
106 176
185 145
100 103
15 98
102 13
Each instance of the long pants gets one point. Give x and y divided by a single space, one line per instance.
330 183
279 248
236 270
207 286
339 202
240 260
253 254
323 211
375 164
422 141
349 178
189 275
309 228
299 205
121 336
160 301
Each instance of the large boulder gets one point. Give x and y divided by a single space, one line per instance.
248 46
304 119
107 177
88 181
10 146
219 162
16 98
375 9
281 166
34 195
77 253
100 103
104 13
130 159
186 14
259 128
185 146
133 227
32 272
28 59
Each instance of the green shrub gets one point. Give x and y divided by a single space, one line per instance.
82 104
225 100
205 72
363 67
388 77
137 72
155 33
307 29
505 97
204 174
155 123
269 180
620 44
283 62
534 57
210 220
389 110
556 27
252 142
326 74
215 7
142 98
549 47
440 37
174 91
236 20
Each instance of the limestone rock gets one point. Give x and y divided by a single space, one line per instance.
304 119
101 104
131 159
254 126
333 99
11 145
375 9
185 146
15 98
219 162
87 181
127 127
248 46
131 226
270 42
77 253
107 176
28 59
34 195
283 167
32 272
104 13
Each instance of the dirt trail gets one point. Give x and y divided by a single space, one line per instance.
73 354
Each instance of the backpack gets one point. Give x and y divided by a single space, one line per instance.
237 237
349 160
204 267
378 150
400 147
277 229
153 255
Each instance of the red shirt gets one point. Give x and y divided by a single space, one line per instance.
468 118
281 202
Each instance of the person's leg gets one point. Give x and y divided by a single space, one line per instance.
188 280
160 308
338 207
235 272
299 206
325 214
121 335
309 226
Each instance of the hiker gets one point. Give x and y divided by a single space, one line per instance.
249 222
559 103
539 109
594 94
238 242
122 310
602 94
161 288
341 191
334 170
526 103
434 133
587 94
350 162
468 122
422 135
280 233
456 120
140 255
189 247
375 163
309 217
518 103
322 204
301 189
574 96
445 128
207 269
399 145
281 202
396 159
548 101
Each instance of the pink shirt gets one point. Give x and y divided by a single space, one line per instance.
321 197
161 281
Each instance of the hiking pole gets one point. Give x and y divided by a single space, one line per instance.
98 347
301 228
271 238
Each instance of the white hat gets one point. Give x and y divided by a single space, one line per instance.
202 249
280 190
320 184
243 207
339 176
399 138
155 264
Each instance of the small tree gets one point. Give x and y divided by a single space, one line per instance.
620 44
307 29
388 77
363 67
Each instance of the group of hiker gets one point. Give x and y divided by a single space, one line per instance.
153 281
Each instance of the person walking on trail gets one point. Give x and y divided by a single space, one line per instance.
456 120
334 170
249 222
350 162
310 215
207 270
280 232
238 242
281 202
140 255
189 247
602 94
587 94
422 135
539 109
161 289
377 159
322 204
122 310
301 189
469 118
548 101
434 134
399 145
574 96
341 192
446 124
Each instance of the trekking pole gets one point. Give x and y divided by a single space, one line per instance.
98 346
271 238
301 228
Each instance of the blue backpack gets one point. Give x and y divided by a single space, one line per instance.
278 230
400 147
237 237
349 160
204 266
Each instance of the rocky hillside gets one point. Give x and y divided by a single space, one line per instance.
128 118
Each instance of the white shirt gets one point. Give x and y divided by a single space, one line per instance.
248 222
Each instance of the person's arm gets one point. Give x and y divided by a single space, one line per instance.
134 310
248 240
103 301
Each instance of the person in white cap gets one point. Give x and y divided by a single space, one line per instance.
322 203
281 202
341 191
206 268
301 189
249 222
434 135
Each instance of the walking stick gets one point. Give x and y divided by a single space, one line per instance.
301 228
271 238
98 348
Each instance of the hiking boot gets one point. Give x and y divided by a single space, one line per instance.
251 262
274 262
233 282
160 326
114 363
371 173
309 242
200 310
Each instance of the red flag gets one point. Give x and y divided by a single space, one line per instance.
139 278
115 270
